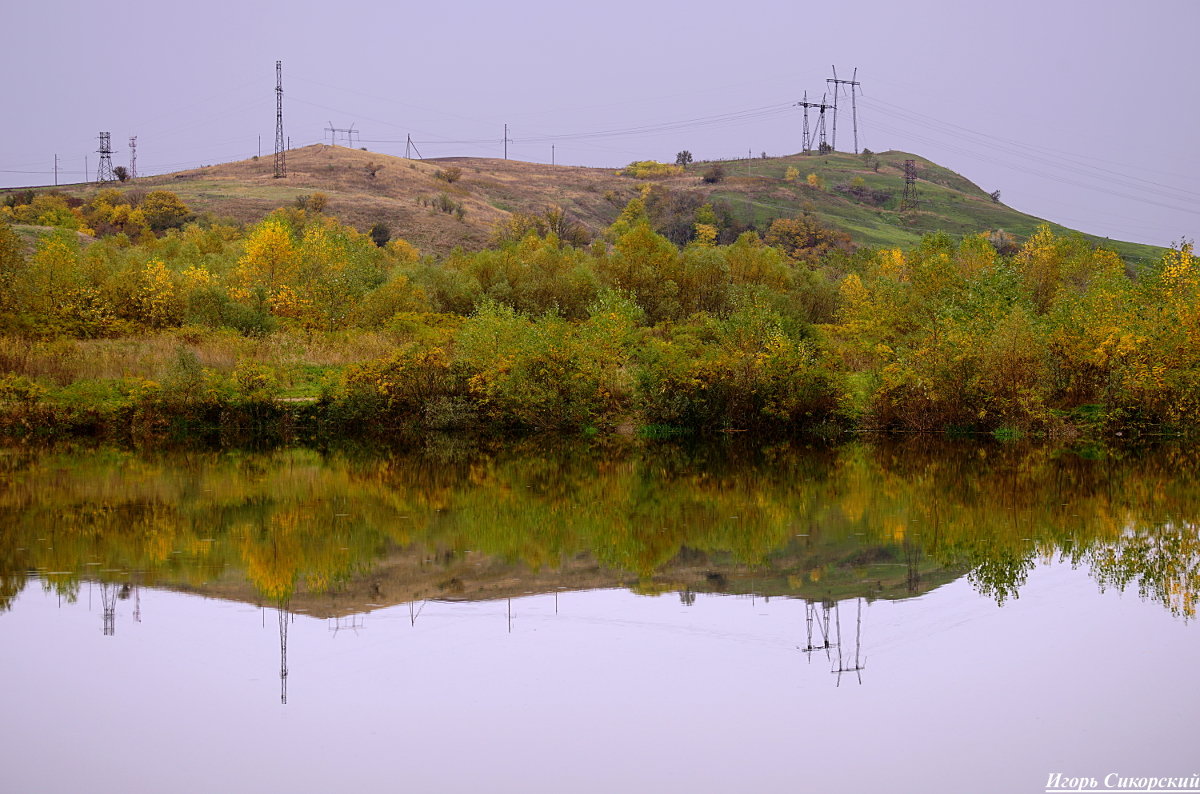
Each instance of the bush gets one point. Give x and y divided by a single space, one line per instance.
444 203
713 174
400 386
164 210
859 190
449 175
742 373
649 169
549 373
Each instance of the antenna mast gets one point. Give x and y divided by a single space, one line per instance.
280 151
133 157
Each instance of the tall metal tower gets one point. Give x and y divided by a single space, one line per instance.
133 157
280 150
909 200
820 129
837 84
104 171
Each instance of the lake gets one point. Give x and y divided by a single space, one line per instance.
909 616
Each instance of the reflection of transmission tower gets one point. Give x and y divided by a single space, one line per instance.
346 623
108 602
842 664
104 171
284 617
811 617
912 558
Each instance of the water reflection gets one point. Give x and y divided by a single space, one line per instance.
337 533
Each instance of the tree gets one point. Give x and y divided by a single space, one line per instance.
683 158
380 234
806 238
121 172
164 210
994 196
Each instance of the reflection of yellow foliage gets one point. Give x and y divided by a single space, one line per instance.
270 514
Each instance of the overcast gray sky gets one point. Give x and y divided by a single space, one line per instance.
1084 113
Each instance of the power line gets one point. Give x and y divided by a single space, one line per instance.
1027 152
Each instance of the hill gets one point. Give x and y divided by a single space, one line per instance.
860 194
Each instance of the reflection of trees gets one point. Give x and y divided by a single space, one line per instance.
1163 561
293 520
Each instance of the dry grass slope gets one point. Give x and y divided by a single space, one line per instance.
364 188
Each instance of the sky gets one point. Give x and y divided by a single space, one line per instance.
1084 113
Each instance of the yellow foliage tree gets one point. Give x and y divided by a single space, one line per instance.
269 264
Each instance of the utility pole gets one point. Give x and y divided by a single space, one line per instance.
506 141
409 146
552 154
280 156
909 200
133 157
104 172
56 170
853 83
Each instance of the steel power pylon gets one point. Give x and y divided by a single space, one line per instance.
837 84
133 157
349 133
909 200
808 136
280 141
104 171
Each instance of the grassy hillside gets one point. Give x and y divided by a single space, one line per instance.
364 188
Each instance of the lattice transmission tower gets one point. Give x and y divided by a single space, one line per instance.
820 126
837 84
104 171
133 157
909 200
280 141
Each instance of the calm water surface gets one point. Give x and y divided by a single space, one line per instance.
864 618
